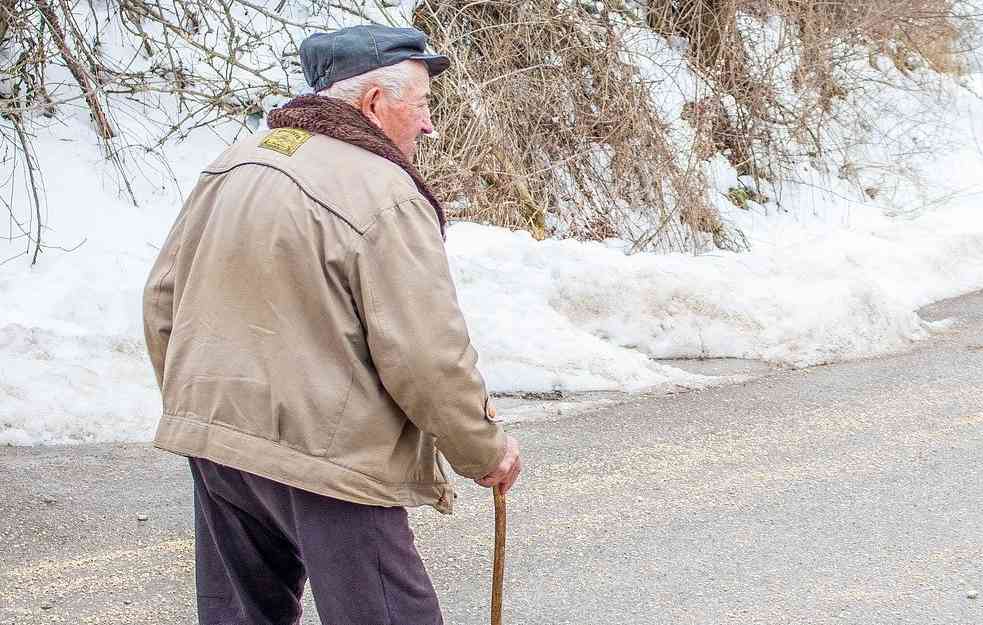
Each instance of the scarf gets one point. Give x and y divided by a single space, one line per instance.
339 120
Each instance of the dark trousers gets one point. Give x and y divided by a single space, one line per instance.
258 541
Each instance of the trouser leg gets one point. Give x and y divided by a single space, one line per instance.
363 565
247 572
364 568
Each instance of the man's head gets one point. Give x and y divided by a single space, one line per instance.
394 98
383 72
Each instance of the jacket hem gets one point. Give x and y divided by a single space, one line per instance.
276 462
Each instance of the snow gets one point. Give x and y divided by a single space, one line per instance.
583 316
831 276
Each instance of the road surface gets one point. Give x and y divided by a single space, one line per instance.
849 493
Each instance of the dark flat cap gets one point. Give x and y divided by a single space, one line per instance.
347 52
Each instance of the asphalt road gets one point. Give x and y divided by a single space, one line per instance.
847 494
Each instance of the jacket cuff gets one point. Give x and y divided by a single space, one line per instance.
489 467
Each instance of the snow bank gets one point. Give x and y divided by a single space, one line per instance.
561 314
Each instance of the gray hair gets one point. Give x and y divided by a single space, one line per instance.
391 79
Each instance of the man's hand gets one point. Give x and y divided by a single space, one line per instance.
507 471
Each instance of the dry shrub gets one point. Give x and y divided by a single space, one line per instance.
710 27
544 126
911 33
742 49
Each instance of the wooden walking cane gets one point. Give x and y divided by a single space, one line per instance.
498 570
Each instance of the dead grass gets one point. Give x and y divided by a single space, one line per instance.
742 49
544 126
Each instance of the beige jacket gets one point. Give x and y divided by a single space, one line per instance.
303 325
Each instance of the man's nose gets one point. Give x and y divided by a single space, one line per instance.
426 125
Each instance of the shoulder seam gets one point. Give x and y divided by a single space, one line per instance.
331 209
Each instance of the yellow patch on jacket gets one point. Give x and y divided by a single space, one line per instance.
285 140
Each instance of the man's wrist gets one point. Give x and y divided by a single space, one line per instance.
502 451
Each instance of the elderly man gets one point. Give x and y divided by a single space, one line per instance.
314 363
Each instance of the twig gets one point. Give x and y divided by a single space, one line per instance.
28 160
105 130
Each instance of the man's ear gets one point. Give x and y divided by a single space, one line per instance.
370 104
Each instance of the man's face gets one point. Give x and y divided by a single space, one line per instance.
405 118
